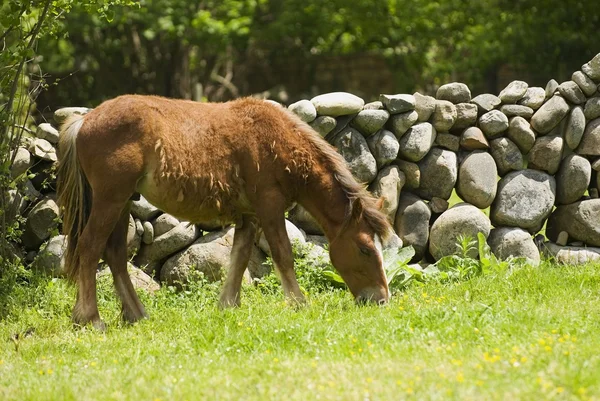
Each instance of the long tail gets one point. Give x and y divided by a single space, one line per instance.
74 193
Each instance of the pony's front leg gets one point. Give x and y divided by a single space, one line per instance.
241 251
273 225
90 247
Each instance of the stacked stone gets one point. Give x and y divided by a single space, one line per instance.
520 153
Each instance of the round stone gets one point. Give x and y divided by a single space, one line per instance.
438 174
304 109
546 153
493 123
581 220
520 132
444 116
455 92
477 179
412 223
417 141
513 92
549 115
355 150
507 242
337 104
574 128
572 179
506 155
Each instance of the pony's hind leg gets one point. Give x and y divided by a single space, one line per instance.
90 247
116 257
243 240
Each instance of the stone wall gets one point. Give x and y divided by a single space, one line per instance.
523 159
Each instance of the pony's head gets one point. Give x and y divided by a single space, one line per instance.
357 255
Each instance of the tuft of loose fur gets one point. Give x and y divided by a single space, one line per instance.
74 193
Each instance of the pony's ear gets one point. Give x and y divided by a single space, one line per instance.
357 209
379 203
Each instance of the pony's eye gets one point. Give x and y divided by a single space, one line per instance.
365 251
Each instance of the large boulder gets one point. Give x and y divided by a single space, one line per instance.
477 179
398 103
337 104
439 171
417 141
164 223
400 123
461 220
41 221
466 116
534 97
412 223
574 128
144 210
520 132
549 115
294 235
493 123
572 92
444 115
300 217
581 220
590 143
424 106
304 109
524 199
387 186
51 258
384 147
455 92
369 122
546 153
513 92
514 242
573 179
586 84
167 244
486 102
506 155
572 255
355 150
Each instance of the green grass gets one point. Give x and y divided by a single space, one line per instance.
526 333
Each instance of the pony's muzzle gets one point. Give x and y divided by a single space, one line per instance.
373 295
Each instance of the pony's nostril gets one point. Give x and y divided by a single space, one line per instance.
382 302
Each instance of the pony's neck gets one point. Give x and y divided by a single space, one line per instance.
325 199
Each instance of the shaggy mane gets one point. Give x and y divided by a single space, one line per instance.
353 190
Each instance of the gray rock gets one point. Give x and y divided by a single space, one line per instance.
573 179
506 242
439 172
524 199
477 179
507 155
41 221
61 115
563 238
590 142
448 141
398 103
572 255
581 220
574 128
493 123
520 132
387 186
304 109
546 153
21 163
144 210
549 115
424 106
400 123
384 146
444 115
592 68
596 165
584 82
164 223
534 97
411 172
47 132
486 102
455 92
513 92
337 104
376 105
341 123
460 220
551 88
14 204
369 122
592 108
472 138
51 258
466 115
43 149
511 110
323 125
353 147
300 217
294 234
139 227
412 223
134 240
167 244
148 235
417 141
438 205
572 92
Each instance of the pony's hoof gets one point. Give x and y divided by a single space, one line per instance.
229 303
99 325
132 317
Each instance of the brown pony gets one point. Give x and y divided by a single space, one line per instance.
244 162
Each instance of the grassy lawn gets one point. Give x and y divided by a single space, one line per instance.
526 333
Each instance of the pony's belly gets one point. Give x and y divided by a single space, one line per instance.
210 211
